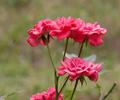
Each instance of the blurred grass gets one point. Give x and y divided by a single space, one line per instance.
26 70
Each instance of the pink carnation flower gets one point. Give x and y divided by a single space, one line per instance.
94 33
69 28
77 27
48 95
76 67
63 28
37 34
66 26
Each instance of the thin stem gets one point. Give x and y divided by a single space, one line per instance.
66 45
110 91
57 78
55 74
64 85
76 83
81 47
51 58
56 88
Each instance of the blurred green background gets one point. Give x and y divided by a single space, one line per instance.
26 70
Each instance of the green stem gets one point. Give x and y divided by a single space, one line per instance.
56 87
64 85
110 91
57 78
55 73
76 83
81 47
66 45
51 58
57 93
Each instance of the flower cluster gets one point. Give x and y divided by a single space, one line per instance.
48 95
76 67
62 28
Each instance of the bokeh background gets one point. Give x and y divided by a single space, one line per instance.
25 70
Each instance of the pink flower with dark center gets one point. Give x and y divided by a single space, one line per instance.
94 33
50 94
38 34
76 67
